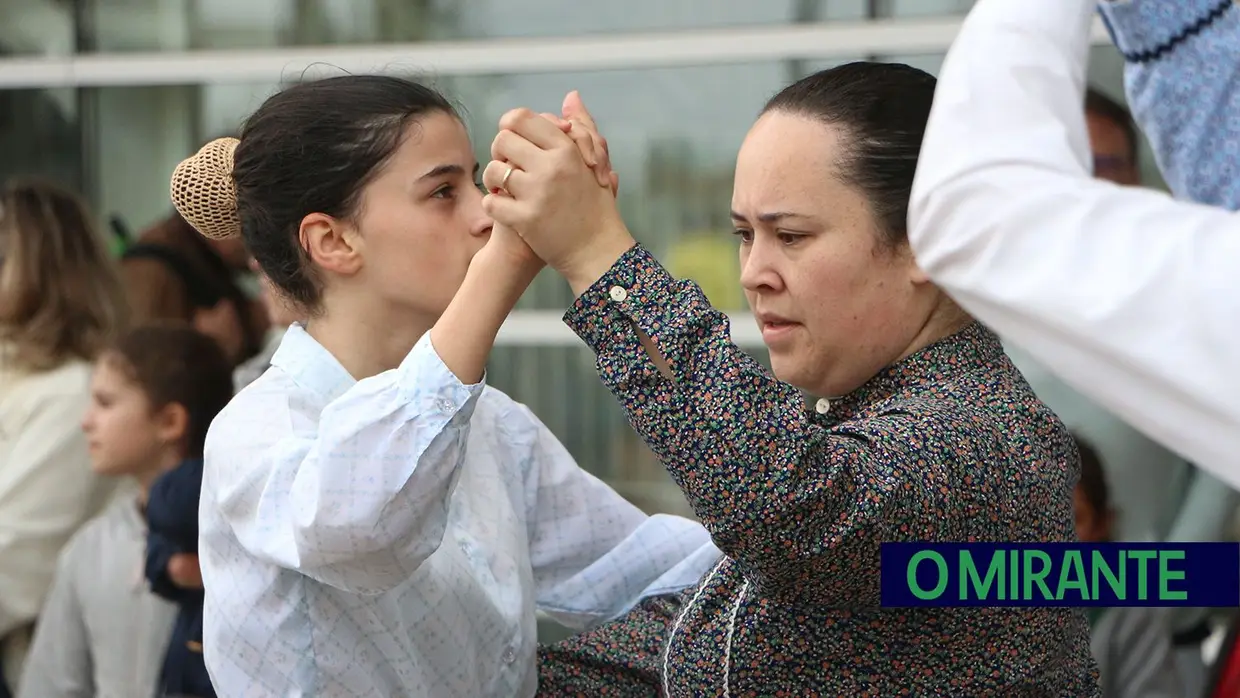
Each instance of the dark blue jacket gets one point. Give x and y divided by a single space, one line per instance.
172 520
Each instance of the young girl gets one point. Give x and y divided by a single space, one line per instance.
374 520
102 632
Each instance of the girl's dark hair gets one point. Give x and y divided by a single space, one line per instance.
172 363
882 110
312 148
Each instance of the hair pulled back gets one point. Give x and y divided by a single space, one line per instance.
882 110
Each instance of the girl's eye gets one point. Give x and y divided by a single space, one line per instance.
744 235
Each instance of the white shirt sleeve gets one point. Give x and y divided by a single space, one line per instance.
1130 297
358 499
593 552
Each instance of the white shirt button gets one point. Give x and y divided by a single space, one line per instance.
510 656
447 406
823 406
618 294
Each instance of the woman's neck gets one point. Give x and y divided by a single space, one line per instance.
946 320
367 344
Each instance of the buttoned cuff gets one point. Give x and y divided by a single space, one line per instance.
638 294
635 285
425 380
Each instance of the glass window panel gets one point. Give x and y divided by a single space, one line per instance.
143 25
39 135
44 26
902 9
123 25
36 27
139 135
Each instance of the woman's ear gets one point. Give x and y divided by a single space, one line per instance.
916 275
919 277
902 254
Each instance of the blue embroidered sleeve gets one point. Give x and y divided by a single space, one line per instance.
1183 84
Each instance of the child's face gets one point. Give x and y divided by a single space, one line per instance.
124 435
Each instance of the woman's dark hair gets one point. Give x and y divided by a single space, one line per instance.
1093 478
882 110
173 363
312 148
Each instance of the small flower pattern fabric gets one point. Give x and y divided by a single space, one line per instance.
949 444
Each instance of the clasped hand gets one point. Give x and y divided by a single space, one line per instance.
551 184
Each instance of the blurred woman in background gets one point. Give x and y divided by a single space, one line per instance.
173 273
61 302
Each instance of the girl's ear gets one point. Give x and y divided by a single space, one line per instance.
171 423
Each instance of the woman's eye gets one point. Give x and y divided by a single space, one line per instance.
744 235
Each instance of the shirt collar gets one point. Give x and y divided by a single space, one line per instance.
972 348
310 365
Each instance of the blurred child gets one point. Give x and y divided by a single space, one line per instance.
102 631
173 572
1132 645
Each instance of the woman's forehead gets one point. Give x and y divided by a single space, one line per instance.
788 147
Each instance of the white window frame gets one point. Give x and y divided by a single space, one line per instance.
750 44
546 328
